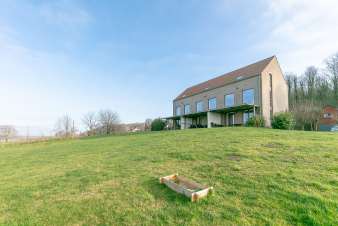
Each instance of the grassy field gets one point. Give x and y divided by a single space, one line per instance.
260 177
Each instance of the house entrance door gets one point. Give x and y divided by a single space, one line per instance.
231 119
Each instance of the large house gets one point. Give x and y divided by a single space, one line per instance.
231 99
329 119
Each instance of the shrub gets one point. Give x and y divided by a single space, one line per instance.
157 125
256 121
283 120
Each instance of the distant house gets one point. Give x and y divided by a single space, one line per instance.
329 119
231 99
134 127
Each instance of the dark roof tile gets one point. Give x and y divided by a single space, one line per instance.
244 72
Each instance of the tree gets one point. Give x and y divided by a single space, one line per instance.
289 79
310 77
309 93
65 127
91 123
157 125
295 88
307 115
108 121
283 120
332 68
7 132
256 121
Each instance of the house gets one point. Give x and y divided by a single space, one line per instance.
231 99
329 119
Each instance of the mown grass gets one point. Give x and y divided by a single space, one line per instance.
260 176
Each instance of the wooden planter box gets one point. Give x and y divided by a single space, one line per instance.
187 187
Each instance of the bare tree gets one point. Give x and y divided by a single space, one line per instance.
7 132
310 77
295 88
108 121
332 67
91 123
289 79
65 127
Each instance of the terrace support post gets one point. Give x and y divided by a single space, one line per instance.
254 111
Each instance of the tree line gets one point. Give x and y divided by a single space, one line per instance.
311 91
103 122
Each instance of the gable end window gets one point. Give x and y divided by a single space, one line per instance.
328 115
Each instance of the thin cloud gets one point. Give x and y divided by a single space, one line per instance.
64 13
302 32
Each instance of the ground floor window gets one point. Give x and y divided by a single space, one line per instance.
246 116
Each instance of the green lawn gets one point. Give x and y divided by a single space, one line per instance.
260 177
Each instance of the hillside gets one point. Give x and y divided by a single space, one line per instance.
260 176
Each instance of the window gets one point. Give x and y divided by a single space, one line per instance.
271 97
249 96
246 116
212 103
327 115
199 106
178 111
187 109
229 100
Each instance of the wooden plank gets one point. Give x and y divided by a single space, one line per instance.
200 194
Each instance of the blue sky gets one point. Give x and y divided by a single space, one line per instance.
134 57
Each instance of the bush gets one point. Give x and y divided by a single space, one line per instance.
283 120
157 125
256 121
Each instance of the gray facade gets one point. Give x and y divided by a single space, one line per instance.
265 93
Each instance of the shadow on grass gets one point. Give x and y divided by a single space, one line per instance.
161 192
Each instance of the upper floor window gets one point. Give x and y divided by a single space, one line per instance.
199 106
327 115
212 103
187 109
229 100
249 96
178 111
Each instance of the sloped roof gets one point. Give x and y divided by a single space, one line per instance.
244 72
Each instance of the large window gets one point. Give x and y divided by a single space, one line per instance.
229 100
187 109
249 96
212 103
199 106
178 111
246 116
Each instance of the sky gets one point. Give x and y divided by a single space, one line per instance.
134 57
